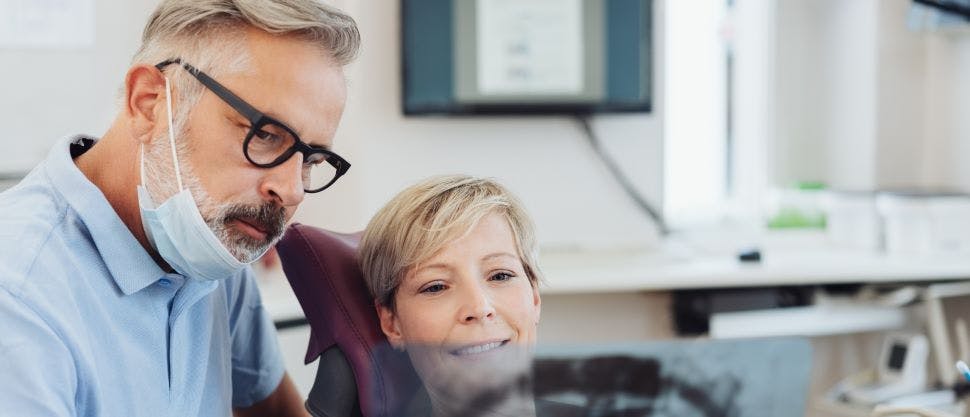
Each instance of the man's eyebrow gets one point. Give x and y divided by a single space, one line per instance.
321 146
299 134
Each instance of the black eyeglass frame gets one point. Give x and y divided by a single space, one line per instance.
257 120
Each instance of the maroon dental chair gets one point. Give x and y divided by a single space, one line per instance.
359 374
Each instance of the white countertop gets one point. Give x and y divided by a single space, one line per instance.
617 272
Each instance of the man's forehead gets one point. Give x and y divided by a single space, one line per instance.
294 82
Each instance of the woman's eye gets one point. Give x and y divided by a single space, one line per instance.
431 289
501 276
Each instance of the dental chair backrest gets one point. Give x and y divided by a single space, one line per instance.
358 374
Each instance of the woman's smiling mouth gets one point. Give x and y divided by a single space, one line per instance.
479 348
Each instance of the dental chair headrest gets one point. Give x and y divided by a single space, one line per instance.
355 358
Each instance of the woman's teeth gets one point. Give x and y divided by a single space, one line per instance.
472 350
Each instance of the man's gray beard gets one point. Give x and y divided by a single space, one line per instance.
161 184
244 248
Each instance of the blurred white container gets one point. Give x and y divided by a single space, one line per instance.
925 223
851 219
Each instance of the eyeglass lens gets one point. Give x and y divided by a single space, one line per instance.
269 142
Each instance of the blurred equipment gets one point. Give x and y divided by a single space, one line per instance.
940 403
959 8
925 223
901 371
852 220
944 15
948 312
694 310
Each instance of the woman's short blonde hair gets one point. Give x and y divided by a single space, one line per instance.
425 217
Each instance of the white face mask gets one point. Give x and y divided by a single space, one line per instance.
177 230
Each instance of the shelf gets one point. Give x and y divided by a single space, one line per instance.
819 320
621 272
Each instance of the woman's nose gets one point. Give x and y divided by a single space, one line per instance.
476 305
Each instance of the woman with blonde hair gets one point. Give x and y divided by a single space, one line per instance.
451 265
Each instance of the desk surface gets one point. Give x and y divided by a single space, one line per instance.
584 272
620 272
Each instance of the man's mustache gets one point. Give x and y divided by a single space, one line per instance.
270 218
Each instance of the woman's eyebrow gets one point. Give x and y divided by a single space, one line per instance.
448 267
499 255
433 266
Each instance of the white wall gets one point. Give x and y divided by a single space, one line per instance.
695 112
46 94
853 88
903 94
753 103
824 90
544 160
948 124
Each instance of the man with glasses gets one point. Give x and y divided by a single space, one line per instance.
125 287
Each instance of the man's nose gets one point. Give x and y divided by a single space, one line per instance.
283 183
476 304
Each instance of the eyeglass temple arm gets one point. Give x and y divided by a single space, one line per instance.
237 103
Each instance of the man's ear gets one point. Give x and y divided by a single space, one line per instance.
144 101
390 326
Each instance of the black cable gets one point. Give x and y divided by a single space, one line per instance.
620 178
291 323
947 6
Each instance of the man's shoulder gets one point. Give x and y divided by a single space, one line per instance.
30 214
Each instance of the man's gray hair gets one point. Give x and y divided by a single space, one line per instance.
209 35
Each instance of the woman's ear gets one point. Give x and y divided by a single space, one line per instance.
536 302
390 326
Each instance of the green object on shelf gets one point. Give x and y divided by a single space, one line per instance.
799 207
791 218
810 186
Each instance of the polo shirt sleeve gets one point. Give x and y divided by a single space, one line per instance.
257 364
37 373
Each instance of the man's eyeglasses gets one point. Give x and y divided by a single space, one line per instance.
270 142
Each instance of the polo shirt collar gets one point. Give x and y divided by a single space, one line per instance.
130 265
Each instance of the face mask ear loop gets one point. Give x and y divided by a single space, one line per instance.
171 134
142 164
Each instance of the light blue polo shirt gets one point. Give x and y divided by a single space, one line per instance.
91 326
